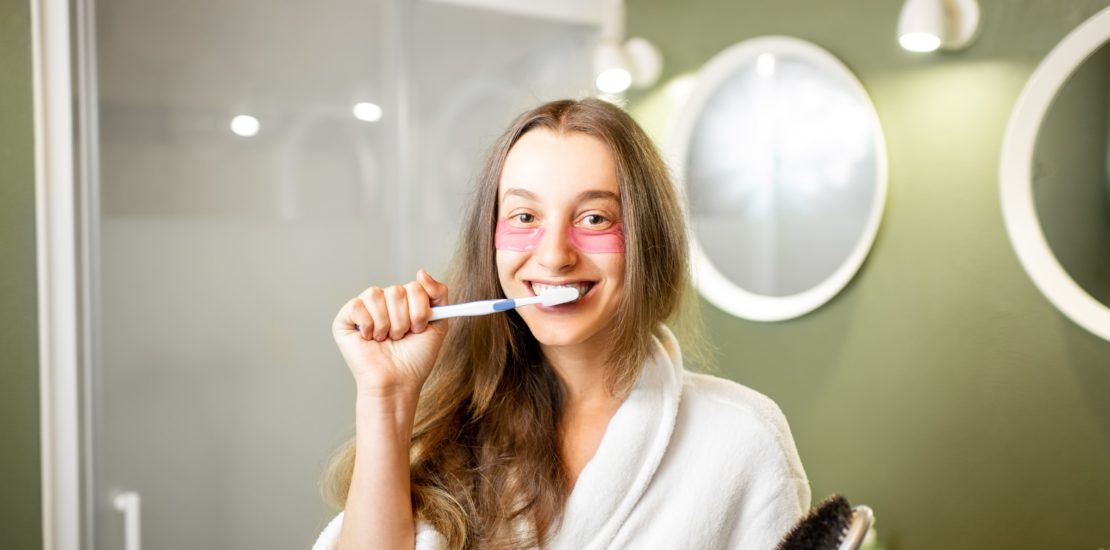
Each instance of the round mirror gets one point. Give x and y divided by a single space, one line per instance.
1054 176
782 159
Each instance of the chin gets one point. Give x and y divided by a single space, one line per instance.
549 339
558 333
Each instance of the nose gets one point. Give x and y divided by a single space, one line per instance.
555 252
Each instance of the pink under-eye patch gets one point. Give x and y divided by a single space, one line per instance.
527 239
597 241
516 239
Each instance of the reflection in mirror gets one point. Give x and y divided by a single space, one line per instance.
782 158
782 209
1071 165
1053 173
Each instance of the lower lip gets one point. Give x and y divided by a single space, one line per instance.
568 307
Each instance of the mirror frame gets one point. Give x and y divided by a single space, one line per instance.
710 282
1016 182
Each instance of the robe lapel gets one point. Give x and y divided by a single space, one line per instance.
630 451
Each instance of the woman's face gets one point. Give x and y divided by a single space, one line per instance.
566 186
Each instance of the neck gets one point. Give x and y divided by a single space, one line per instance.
582 370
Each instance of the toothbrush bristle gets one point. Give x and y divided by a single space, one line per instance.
558 296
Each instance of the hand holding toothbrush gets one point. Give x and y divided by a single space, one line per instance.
388 338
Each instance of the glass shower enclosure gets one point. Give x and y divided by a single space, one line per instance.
220 252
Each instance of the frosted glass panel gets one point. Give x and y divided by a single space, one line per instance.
466 96
220 260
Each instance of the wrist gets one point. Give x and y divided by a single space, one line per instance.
391 409
386 393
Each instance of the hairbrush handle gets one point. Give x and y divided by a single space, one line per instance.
831 525
862 516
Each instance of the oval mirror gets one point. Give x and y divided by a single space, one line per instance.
1053 176
782 158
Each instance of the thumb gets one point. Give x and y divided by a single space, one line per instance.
437 291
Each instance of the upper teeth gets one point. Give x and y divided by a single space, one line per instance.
541 288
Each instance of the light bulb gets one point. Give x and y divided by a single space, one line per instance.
245 125
919 41
614 81
367 112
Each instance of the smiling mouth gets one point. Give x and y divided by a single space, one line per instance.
583 287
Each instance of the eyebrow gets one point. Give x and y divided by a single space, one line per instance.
583 196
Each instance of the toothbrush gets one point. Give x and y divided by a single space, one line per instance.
549 298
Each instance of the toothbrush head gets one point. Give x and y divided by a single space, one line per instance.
558 296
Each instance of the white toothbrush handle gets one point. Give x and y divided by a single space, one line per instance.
469 309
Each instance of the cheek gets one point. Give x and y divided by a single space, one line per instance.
507 264
612 266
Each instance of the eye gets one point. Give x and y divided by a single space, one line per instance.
523 217
596 221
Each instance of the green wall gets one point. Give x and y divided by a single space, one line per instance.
20 501
940 387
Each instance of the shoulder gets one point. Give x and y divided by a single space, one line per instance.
720 396
740 418
732 398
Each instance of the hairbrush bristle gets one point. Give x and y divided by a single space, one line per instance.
822 528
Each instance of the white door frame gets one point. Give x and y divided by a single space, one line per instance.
57 275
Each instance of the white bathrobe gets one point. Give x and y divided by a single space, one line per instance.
688 461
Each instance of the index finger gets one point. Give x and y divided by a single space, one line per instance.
437 291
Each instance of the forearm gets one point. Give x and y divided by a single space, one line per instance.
378 513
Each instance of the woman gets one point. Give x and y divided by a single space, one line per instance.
574 426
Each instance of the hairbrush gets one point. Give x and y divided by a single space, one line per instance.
831 525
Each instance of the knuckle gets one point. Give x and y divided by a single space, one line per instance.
372 296
376 309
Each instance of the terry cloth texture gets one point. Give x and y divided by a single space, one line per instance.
688 461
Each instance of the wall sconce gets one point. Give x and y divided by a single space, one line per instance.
619 64
635 64
926 25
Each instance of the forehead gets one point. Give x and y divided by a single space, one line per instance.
558 166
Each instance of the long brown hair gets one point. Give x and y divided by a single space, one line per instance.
485 442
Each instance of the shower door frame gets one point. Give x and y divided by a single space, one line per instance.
61 276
